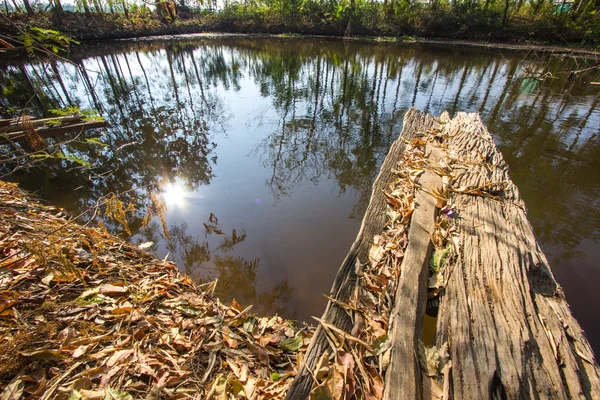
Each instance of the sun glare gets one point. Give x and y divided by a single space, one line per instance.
174 195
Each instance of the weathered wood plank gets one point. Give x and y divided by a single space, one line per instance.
415 123
502 317
403 374
509 329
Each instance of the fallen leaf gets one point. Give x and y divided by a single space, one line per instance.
291 344
45 354
116 394
118 357
190 311
47 279
112 290
92 394
438 259
81 350
13 390
321 392
145 246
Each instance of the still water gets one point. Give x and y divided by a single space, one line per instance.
271 146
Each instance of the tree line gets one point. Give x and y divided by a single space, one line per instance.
558 20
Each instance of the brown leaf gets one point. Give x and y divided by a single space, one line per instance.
13 390
118 357
261 353
124 308
81 350
112 290
231 343
236 305
321 392
44 354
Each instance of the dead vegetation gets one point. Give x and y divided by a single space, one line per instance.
84 314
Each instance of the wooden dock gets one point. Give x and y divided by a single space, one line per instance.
446 232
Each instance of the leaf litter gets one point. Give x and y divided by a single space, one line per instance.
354 366
86 315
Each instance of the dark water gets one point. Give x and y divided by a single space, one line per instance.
273 145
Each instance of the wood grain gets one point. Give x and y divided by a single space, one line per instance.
403 373
415 123
510 331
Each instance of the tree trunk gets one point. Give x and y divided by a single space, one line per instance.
505 15
58 9
86 8
28 7
125 11
17 8
509 330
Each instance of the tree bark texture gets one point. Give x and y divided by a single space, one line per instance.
505 319
415 123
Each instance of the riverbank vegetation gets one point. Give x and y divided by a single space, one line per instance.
556 21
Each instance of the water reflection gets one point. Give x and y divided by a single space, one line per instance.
301 127
208 256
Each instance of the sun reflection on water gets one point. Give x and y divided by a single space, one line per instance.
175 194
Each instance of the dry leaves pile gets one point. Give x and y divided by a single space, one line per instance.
84 315
355 365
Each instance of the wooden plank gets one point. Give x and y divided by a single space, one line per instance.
504 318
403 374
415 123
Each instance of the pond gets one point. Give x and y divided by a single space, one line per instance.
264 150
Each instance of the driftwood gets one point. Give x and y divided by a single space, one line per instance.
504 329
508 327
373 222
411 294
17 129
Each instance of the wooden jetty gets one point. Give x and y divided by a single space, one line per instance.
503 329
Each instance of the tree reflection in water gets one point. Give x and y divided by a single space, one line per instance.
306 124
237 277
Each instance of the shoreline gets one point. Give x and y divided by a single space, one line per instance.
81 309
554 49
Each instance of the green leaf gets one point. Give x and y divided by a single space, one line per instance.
53 122
44 156
75 395
275 376
62 112
96 141
237 388
78 160
116 394
292 344
321 393
249 324
438 259
189 311
381 344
